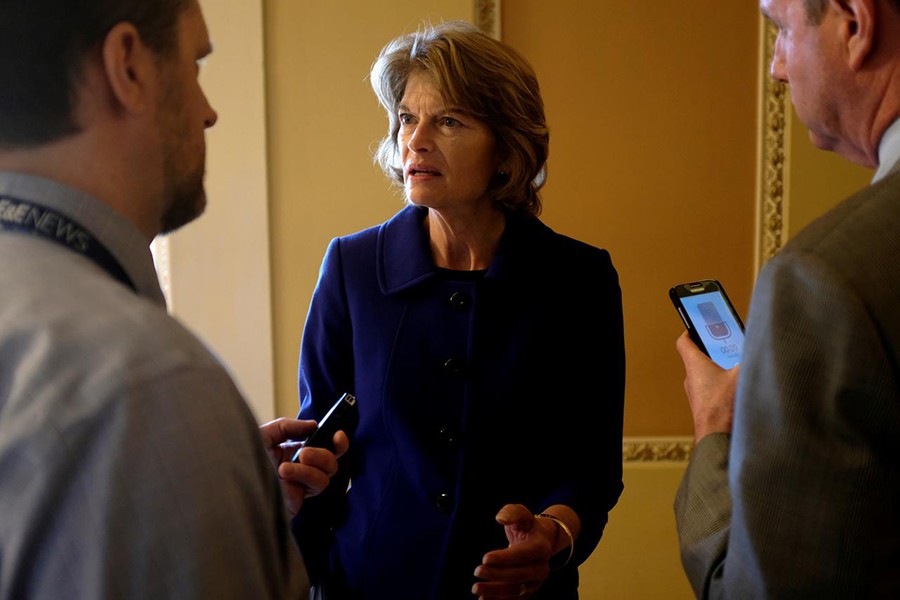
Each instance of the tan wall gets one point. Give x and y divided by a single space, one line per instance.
653 131
652 156
323 122
216 271
638 558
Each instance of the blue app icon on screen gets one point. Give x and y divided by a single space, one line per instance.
720 333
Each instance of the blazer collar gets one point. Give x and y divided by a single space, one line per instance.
403 252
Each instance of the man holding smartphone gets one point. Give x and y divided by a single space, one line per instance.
793 488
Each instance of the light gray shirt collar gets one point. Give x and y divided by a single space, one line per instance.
120 236
888 151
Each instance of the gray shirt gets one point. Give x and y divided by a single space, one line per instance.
130 466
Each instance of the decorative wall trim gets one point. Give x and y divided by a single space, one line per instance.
772 202
487 17
656 449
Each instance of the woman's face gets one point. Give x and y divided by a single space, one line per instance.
448 156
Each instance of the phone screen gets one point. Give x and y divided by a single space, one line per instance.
716 326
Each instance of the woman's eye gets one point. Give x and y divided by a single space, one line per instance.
449 122
405 118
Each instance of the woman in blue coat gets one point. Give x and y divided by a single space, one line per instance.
485 351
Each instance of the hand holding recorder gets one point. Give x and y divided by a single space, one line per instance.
338 418
323 446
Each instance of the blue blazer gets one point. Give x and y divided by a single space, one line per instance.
473 392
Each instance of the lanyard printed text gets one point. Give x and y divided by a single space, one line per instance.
45 222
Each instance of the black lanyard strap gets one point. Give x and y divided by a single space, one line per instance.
24 217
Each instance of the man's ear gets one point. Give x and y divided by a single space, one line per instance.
129 67
857 29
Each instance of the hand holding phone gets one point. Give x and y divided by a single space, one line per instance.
711 320
338 417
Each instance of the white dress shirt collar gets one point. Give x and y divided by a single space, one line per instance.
888 151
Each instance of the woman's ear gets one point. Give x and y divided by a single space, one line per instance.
129 67
857 29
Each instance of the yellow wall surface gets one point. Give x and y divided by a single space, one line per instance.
324 121
652 115
653 156
654 127
638 557
215 273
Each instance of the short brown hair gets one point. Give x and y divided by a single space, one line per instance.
483 77
43 45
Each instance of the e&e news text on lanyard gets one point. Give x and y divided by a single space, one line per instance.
25 217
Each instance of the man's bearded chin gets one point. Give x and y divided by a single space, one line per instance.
188 203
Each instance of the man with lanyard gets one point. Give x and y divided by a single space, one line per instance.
793 488
130 466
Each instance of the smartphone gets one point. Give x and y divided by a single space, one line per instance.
339 416
711 320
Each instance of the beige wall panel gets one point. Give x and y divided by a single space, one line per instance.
653 156
217 275
324 122
638 557
652 112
